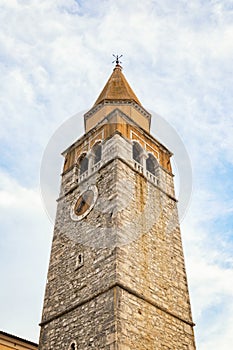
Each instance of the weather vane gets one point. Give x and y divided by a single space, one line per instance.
117 59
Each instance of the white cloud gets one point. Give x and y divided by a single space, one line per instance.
24 247
209 263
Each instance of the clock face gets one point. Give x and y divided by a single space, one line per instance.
84 203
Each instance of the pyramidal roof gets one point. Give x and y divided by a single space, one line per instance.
117 88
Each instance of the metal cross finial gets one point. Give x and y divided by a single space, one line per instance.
117 59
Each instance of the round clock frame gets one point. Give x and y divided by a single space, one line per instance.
85 202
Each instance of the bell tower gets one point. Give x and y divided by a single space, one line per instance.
116 277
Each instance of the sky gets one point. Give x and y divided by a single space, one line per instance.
55 57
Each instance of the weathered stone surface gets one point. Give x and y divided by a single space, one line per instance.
130 289
92 325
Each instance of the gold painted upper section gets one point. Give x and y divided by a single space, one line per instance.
117 88
116 123
138 116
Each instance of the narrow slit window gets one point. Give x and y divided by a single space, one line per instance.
73 346
79 261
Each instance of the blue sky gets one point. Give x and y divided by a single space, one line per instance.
55 57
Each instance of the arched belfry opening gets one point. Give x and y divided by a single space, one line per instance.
83 163
152 164
137 152
97 152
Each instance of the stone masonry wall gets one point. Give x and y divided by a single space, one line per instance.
94 237
142 326
91 325
152 262
130 290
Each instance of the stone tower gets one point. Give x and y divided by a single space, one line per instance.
116 276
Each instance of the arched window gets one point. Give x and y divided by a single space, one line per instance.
151 164
137 152
97 151
73 346
83 164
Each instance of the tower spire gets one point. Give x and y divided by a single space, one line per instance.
117 93
117 87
